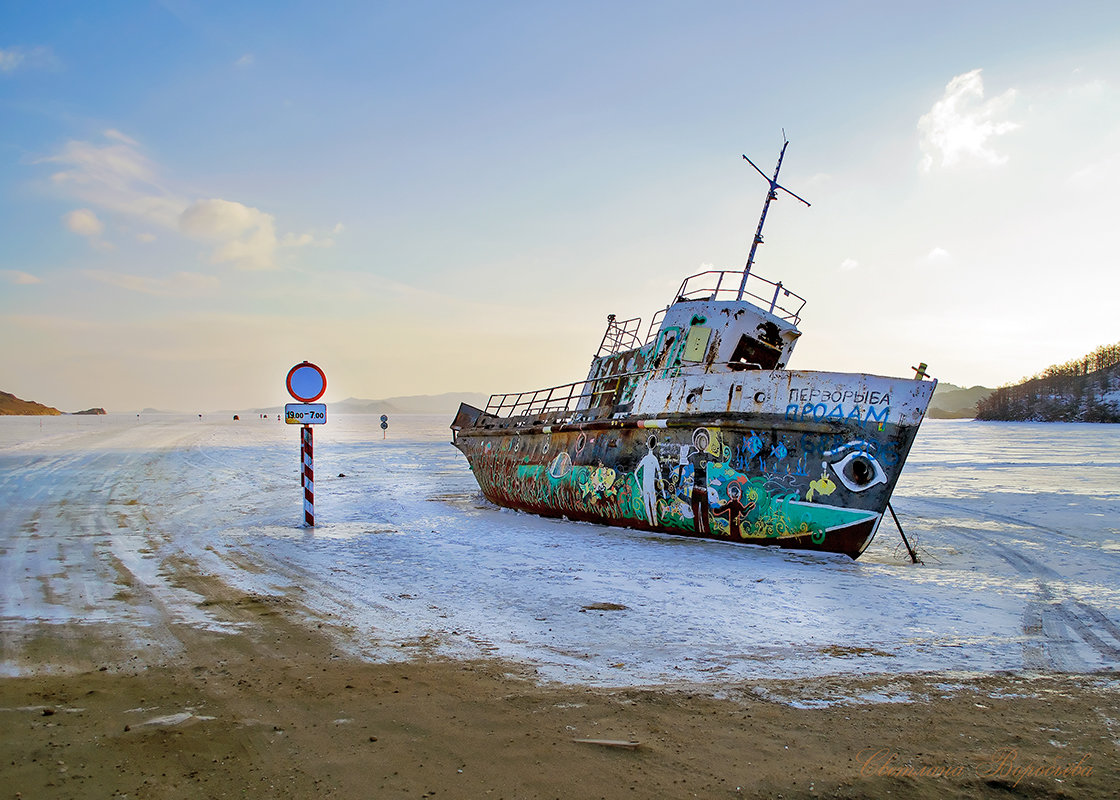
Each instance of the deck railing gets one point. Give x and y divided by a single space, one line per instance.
559 399
730 285
620 336
725 285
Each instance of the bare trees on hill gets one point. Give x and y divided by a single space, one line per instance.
1085 389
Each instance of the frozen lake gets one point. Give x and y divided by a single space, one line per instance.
104 519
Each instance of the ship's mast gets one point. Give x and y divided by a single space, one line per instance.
770 195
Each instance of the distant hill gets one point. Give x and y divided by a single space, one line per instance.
447 403
956 402
1083 390
10 405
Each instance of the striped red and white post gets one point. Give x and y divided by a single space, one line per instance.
306 383
308 479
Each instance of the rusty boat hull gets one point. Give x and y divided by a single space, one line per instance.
808 461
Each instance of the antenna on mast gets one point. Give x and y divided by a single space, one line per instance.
770 195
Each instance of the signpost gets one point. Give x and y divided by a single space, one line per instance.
306 383
384 425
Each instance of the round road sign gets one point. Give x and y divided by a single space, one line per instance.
306 382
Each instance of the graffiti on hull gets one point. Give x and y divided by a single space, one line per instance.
733 485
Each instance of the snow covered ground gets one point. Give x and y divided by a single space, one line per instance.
105 521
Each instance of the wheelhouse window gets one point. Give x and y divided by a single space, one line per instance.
750 353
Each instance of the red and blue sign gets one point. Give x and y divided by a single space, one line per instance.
306 382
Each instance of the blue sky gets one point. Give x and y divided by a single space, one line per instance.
429 197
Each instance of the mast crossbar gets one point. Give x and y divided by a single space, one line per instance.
772 194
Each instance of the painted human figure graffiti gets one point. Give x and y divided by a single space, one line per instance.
699 499
650 471
734 510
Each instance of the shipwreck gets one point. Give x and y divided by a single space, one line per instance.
695 425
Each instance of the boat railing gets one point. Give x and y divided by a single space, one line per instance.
620 336
725 285
559 399
568 398
655 325
739 284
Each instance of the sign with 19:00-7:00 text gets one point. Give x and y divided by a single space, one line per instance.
305 413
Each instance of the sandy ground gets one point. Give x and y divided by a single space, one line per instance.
275 712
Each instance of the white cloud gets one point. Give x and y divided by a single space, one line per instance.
937 256
291 240
10 59
246 236
115 176
114 134
1098 175
18 277
307 240
83 222
181 283
328 241
14 58
819 180
848 264
960 127
145 237
245 61
1092 89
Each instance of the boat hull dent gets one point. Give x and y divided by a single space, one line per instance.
780 479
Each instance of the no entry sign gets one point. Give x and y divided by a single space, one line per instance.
306 382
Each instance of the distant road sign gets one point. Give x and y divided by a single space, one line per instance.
306 382
305 413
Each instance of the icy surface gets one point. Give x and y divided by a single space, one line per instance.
102 517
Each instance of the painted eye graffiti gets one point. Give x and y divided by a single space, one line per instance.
858 470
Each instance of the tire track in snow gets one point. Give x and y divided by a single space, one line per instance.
1057 631
1059 625
86 561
